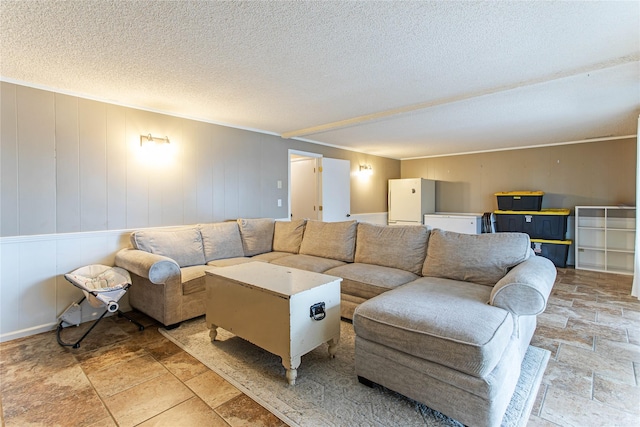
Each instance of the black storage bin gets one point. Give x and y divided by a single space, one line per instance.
520 200
555 250
550 224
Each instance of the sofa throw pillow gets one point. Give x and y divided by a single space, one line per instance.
257 235
402 246
287 236
334 240
183 245
477 258
221 240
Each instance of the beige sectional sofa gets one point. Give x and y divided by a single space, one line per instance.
441 317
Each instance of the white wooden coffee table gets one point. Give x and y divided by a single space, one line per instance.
283 310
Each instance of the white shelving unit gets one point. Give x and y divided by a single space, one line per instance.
605 238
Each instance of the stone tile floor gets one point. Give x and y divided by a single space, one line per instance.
122 377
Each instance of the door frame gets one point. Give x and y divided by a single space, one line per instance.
292 153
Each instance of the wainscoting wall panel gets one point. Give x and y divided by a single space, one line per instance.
34 291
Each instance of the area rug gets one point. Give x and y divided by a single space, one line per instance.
327 391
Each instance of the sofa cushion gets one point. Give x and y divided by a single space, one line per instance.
270 256
368 280
287 236
226 262
477 258
335 240
257 235
402 246
308 262
193 279
440 320
182 244
221 240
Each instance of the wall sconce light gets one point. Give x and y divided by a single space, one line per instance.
366 170
149 139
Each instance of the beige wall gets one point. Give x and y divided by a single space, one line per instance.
75 165
595 173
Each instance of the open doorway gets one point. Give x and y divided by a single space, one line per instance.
303 185
319 188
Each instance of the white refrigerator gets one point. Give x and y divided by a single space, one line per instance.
410 199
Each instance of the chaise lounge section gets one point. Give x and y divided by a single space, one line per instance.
455 338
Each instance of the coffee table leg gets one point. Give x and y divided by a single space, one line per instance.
333 347
292 369
213 332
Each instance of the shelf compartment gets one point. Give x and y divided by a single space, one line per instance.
621 239
621 262
591 237
590 218
623 219
589 257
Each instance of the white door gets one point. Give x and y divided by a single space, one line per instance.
335 190
304 189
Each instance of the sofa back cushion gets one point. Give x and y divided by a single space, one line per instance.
334 240
287 236
477 258
257 235
221 240
182 244
402 246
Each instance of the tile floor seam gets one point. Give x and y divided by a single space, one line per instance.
136 384
102 402
542 399
139 384
183 383
104 405
195 394
592 399
615 408
557 356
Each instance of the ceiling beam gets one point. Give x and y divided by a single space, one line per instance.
354 121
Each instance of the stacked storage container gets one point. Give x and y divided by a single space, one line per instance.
521 211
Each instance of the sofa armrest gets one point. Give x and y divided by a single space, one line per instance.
525 289
157 268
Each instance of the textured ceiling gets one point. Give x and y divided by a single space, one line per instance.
397 79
